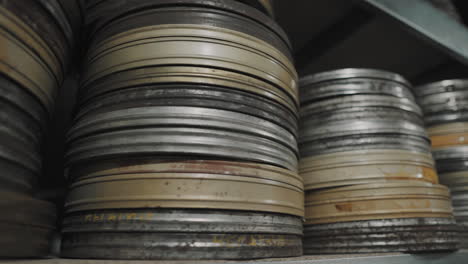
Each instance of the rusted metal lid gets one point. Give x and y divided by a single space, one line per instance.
365 166
392 199
191 184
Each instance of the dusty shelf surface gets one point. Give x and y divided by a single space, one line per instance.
459 257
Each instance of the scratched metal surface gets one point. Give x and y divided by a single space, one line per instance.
383 235
180 234
458 257
359 109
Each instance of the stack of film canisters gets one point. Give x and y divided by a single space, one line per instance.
369 177
184 145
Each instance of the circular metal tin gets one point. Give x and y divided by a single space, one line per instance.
354 86
459 152
192 96
56 11
454 179
356 122
444 101
358 110
365 166
191 45
351 73
191 76
364 142
101 13
195 15
458 184
180 234
22 126
181 221
181 116
446 135
24 103
26 225
440 87
183 141
360 121
383 235
360 102
392 199
20 62
452 165
190 184
36 27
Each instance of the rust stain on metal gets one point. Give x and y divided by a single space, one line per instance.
344 207
425 174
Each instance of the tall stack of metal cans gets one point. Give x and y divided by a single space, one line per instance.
368 172
36 38
184 143
445 105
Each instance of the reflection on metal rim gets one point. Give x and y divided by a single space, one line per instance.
268 5
173 15
191 45
450 152
180 116
183 141
444 102
359 102
364 122
351 73
189 75
364 142
440 87
353 87
192 95
103 12
361 121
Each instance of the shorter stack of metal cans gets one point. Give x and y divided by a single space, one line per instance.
184 145
445 105
368 172
36 38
